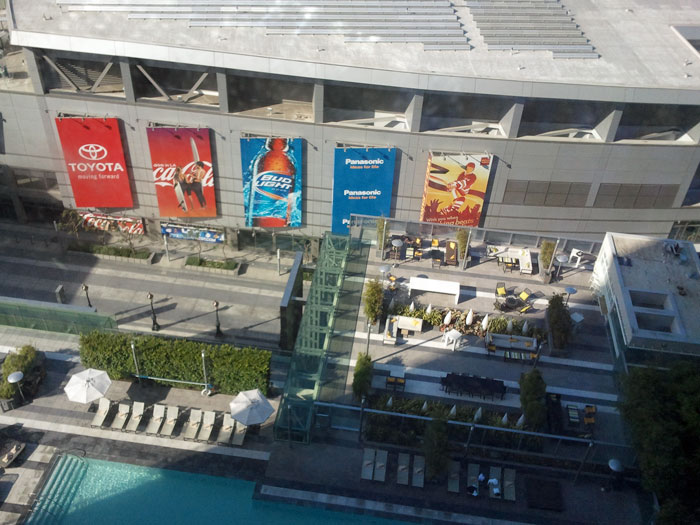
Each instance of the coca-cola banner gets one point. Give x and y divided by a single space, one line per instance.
94 157
98 221
455 188
183 172
272 181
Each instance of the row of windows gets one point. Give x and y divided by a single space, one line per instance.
575 194
29 179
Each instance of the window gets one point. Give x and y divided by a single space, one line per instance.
542 193
35 180
636 195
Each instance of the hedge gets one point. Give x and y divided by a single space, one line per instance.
119 251
22 361
195 260
229 369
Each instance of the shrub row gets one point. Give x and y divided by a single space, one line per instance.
119 251
195 260
229 369
23 361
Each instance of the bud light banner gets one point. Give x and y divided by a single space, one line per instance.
94 157
362 182
183 171
271 181
455 188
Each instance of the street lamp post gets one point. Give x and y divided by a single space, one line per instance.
85 289
136 363
155 327
219 333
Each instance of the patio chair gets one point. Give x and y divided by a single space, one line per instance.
495 488
170 421
239 434
156 419
226 430
453 476
524 295
121 417
402 469
368 463
418 471
380 465
136 417
509 484
501 290
102 410
193 424
473 478
207 426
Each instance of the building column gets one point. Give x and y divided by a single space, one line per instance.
317 103
607 128
510 123
127 81
34 70
222 88
414 112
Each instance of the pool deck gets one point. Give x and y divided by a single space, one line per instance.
327 473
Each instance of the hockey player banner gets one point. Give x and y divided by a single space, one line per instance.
109 223
92 148
192 233
183 171
272 180
363 179
455 187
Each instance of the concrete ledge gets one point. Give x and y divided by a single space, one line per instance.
117 258
220 271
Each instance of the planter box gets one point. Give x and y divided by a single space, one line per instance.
220 271
117 258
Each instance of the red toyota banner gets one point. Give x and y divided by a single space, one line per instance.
94 157
183 172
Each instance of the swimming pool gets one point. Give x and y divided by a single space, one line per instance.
91 491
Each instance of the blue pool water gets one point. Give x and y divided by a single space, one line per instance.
101 492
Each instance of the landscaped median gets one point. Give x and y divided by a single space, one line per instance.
230 369
194 262
113 253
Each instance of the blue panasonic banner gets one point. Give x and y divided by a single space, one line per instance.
362 184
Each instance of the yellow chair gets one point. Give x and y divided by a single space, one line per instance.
501 290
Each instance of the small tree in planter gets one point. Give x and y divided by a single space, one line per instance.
71 221
462 237
381 234
545 259
373 297
435 443
362 379
559 321
533 390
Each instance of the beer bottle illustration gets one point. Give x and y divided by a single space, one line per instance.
272 182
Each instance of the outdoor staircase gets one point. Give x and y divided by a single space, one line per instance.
55 498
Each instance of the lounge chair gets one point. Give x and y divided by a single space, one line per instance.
495 473
501 290
239 434
453 476
473 478
402 470
170 421
121 417
207 426
380 465
418 471
193 424
102 410
226 430
136 417
509 484
368 463
525 309
524 295
156 419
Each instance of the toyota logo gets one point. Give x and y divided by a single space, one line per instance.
92 152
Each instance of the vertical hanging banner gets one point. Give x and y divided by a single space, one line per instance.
272 181
182 171
455 188
363 179
94 157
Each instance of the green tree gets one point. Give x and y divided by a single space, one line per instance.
71 221
374 297
435 443
381 233
362 379
546 254
462 237
661 409
533 390
559 321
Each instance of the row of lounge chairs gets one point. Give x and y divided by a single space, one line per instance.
374 466
198 427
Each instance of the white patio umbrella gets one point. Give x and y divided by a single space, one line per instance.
429 309
424 408
87 386
477 415
504 419
509 328
250 407
525 328
453 411
448 318
390 402
470 317
412 307
485 322
521 420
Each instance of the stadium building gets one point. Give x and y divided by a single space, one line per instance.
556 118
